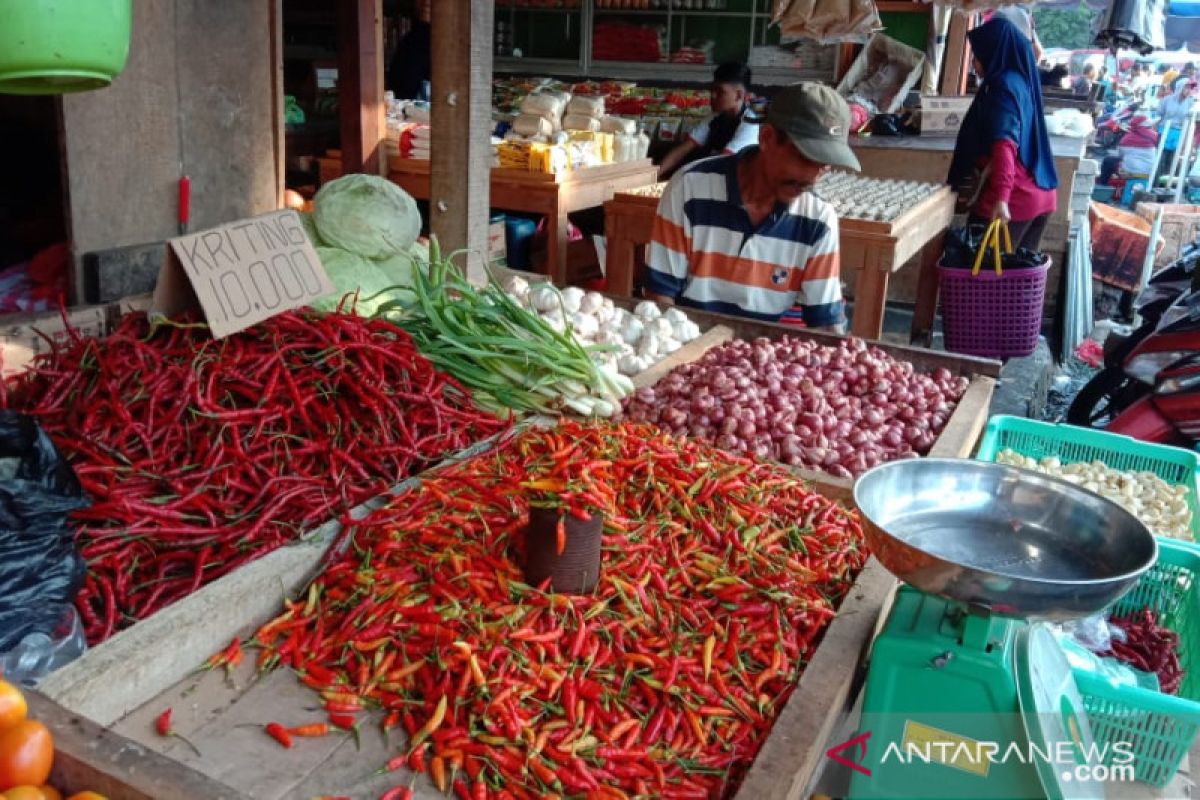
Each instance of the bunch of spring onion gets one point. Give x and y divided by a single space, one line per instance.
506 354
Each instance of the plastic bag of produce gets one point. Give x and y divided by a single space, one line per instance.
586 106
611 124
580 122
533 125
40 569
367 216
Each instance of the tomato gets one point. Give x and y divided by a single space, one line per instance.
50 793
12 705
26 752
87 796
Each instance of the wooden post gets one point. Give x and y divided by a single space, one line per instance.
360 85
958 57
461 159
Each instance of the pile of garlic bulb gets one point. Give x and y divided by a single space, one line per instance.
1162 507
637 341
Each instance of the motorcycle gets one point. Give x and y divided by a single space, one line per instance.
1111 128
1149 387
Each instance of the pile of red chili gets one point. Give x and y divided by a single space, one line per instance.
1150 647
201 455
719 574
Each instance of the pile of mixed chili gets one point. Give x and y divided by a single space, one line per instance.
719 573
203 454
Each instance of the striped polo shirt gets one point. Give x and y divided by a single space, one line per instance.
705 253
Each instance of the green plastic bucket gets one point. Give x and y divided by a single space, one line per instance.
60 46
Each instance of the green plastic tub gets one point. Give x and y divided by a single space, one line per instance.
1072 444
1159 727
60 46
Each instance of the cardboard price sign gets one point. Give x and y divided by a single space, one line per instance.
241 273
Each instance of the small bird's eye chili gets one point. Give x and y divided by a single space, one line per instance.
663 682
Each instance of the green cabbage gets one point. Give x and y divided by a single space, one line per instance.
310 228
352 273
367 216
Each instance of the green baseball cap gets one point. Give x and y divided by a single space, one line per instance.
817 120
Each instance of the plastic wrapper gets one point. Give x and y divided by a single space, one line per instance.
580 122
828 21
533 125
586 106
40 653
40 569
611 124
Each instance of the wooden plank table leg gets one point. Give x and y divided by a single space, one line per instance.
927 293
619 262
870 297
558 234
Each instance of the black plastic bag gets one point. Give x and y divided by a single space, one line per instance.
962 244
40 568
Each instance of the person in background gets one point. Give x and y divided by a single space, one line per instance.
1137 147
1173 112
1169 74
1004 136
730 129
1083 84
412 62
1020 17
743 234
1188 74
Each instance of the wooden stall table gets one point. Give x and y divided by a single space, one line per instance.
872 248
540 193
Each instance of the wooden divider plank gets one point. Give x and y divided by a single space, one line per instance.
86 756
958 438
686 354
235 746
194 701
112 679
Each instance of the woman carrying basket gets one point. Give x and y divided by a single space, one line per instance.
1003 141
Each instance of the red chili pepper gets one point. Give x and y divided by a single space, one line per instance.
279 733
312 730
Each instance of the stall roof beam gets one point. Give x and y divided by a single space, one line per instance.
360 85
461 156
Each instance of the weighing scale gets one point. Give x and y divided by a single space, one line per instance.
967 684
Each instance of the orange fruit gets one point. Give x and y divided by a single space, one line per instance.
87 796
12 705
24 793
26 753
51 793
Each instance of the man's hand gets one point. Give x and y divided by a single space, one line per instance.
1000 211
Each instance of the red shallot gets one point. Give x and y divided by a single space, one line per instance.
842 409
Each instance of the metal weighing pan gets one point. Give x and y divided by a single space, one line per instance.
1006 539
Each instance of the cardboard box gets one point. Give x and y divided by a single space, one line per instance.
496 246
880 51
943 116
1180 226
23 336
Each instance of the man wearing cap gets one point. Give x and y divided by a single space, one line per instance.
742 234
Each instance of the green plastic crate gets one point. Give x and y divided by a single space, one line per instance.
1071 444
1159 727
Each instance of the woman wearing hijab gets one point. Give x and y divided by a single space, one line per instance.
1004 137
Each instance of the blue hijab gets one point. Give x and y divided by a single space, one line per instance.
1008 105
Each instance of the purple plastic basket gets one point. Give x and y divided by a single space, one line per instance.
990 315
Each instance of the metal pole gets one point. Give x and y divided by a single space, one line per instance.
1158 151
1148 261
1185 147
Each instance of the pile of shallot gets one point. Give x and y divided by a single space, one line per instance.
841 409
